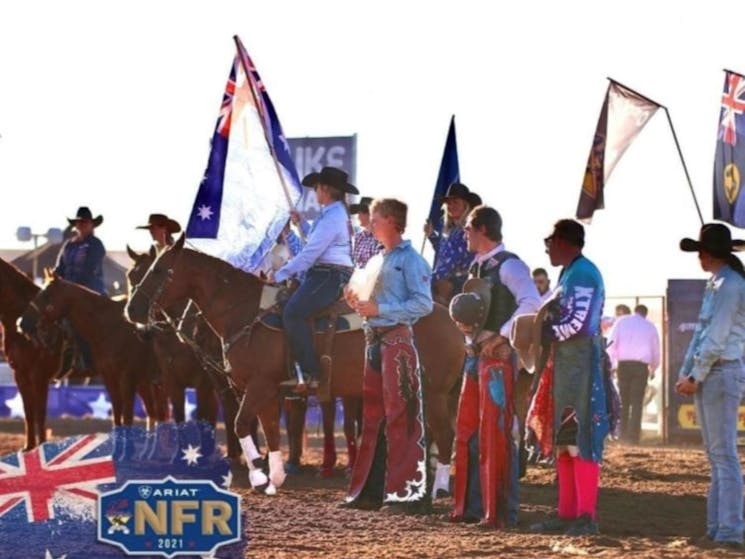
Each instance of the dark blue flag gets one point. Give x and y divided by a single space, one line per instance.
449 173
48 496
729 161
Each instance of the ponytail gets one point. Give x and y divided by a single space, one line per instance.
736 264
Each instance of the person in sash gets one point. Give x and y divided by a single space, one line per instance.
499 288
162 228
391 466
569 412
325 262
452 258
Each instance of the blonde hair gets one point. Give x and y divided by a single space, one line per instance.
390 207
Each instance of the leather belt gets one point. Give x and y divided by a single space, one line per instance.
335 267
720 362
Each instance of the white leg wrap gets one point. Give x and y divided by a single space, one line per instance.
277 473
255 476
442 479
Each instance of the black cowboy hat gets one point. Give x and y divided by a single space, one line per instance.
161 220
715 239
332 177
363 206
458 190
84 212
472 306
474 200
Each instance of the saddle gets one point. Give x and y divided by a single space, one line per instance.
336 318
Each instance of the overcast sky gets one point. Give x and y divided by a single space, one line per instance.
112 105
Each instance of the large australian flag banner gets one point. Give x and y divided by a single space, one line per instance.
250 185
729 161
48 496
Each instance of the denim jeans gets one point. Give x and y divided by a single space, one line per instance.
717 405
321 287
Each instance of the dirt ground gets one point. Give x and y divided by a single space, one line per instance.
651 504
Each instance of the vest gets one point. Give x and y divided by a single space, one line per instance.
503 302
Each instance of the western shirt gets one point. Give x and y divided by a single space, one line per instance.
720 331
402 291
81 261
328 242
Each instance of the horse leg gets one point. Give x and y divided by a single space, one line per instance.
176 394
352 427
438 418
40 401
206 403
29 408
230 411
295 410
243 422
328 413
269 417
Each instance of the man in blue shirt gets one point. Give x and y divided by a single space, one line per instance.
326 262
714 374
391 466
80 259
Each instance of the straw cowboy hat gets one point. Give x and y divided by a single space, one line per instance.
161 220
472 306
332 177
525 335
84 212
715 239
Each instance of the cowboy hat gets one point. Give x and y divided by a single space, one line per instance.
84 212
332 177
472 306
161 220
363 206
458 190
715 239
474 200
526 334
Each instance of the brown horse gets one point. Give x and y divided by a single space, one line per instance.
125 362
33 364
182 366
229 301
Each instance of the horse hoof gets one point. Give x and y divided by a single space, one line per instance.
291 468
257 478
270 489
441 494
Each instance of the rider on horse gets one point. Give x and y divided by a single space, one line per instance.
162 228
326 263
452 257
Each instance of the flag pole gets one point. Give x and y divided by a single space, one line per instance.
685 167
262 118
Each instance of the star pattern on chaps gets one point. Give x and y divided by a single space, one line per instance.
406 389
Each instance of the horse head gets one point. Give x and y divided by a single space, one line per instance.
160 286
50 304
140 265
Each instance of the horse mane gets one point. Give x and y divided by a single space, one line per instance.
23 286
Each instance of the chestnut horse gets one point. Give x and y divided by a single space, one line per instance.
33 364
182 366
229 300
125 362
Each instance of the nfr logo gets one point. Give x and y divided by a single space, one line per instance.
169 517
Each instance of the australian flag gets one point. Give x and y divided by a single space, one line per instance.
251 183
729 161
449 173
48 496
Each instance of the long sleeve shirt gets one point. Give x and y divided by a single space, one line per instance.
516 276
580 304
451 254
402 291
328 242
365 246
81 261
720 331
634 338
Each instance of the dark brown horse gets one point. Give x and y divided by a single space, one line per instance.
182 366
125 362
229 301
33 364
